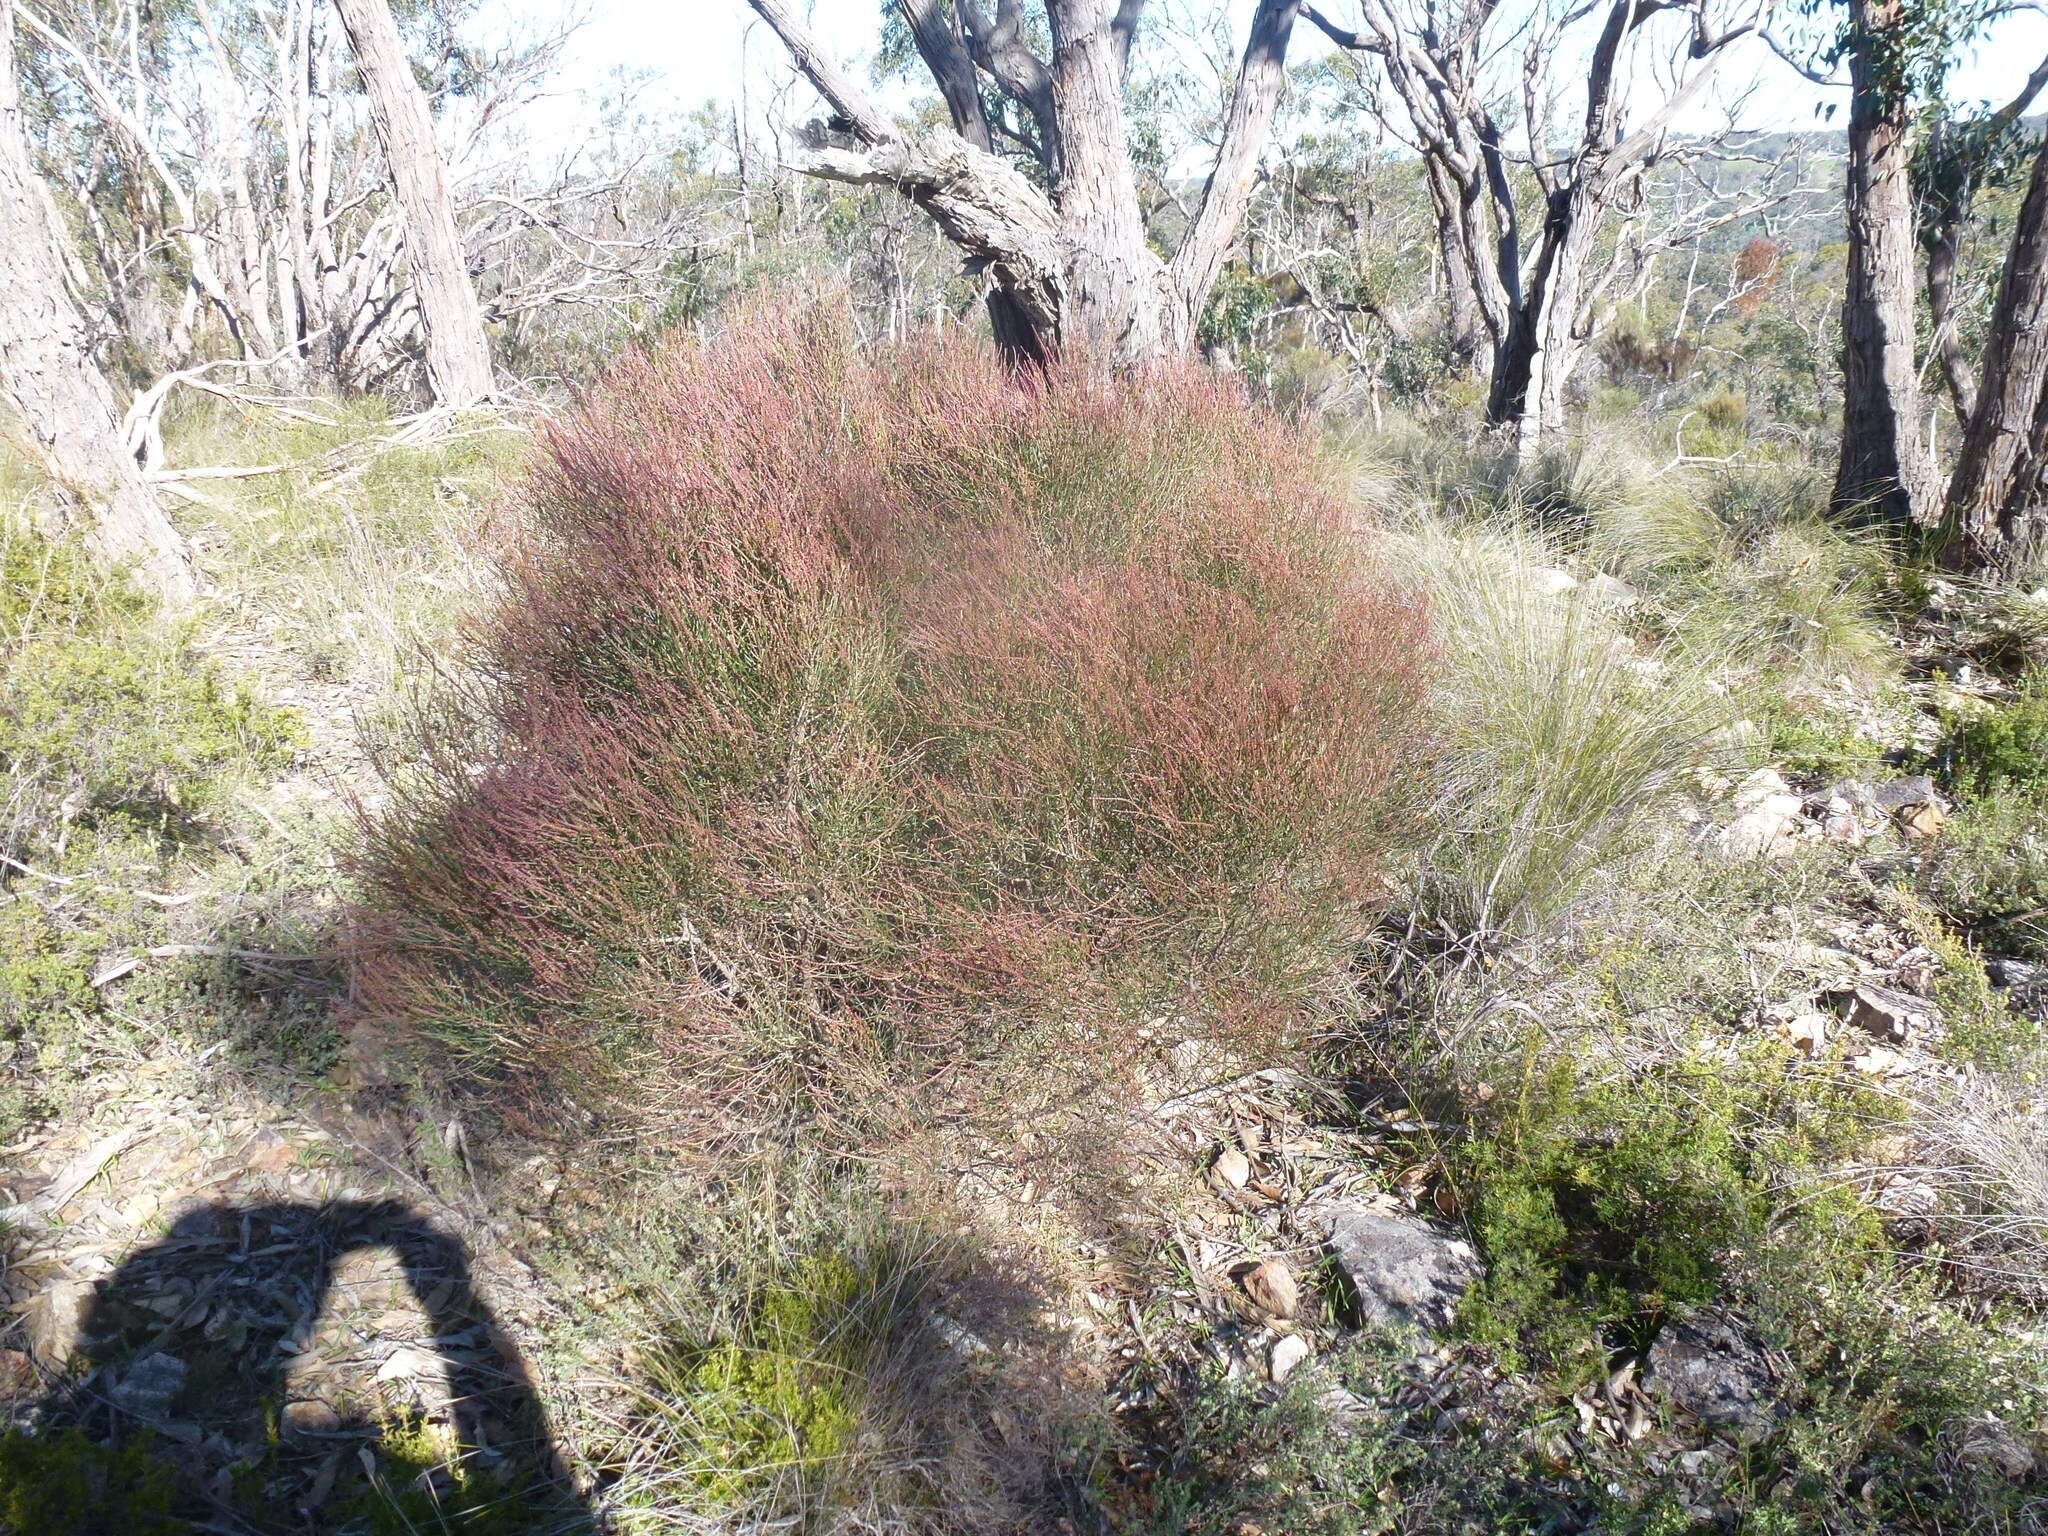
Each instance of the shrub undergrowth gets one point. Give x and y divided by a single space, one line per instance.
851 717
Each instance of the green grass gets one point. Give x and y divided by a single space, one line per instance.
65 1485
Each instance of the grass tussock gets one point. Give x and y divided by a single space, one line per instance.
861 714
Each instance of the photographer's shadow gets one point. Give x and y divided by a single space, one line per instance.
206 1341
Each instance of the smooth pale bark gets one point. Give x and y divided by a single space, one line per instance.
1885 472
458 355
1998 478
1072 272
48 375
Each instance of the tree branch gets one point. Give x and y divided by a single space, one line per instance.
1260 76
862 117
944 51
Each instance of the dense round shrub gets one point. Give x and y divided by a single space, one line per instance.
847 717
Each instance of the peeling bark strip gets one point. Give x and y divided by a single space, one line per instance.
48 376
1072 272
458 356
1885 473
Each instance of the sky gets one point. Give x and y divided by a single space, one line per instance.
692 51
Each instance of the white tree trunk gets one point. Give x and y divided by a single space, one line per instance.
48 376
458 356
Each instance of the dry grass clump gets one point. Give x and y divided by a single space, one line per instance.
850 718
1982 1138
1561 745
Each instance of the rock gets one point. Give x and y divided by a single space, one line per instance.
1288 1353
1231 1170
1848 795
1886 1012
1846 812
2002 972
308 1417
1605 591
409 1363
1710 1366
1548 580
1990 1444
1270 1285
53 1317
1763 827
1806 1030
150 1386
1759 786
1923 821
1880 1061
1406 1273
1897 794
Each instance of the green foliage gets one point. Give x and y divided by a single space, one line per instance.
2001 750
106 717
119 748
423 1484
785 1397
1801 738
1243 1458
1981 1027
65 1485
1987 876
773 1410
1607 1204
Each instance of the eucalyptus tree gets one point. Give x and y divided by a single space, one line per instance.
48 375
1529 224
2000 482
1894 57
458 354
1956 158
1057 226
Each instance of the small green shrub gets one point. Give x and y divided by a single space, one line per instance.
119 745
104 716
769 1415
1604 1205
1805 740
421 1483
1987 876
2001 750
784 1397
1725 410
1243 1458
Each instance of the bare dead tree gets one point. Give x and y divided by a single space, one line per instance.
1536 274
48 375
1069 268
223 159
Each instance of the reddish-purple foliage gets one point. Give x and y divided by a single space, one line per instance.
847 713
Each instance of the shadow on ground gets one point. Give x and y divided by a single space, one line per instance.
207 1392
